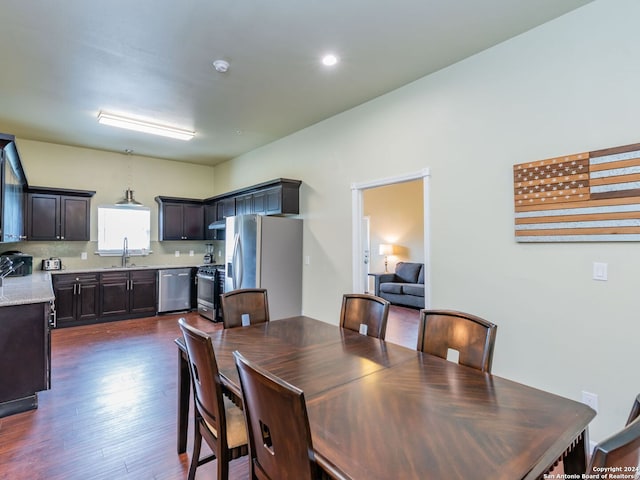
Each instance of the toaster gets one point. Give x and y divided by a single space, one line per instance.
52 264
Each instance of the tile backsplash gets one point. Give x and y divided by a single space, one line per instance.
162 253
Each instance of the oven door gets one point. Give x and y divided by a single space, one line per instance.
206 295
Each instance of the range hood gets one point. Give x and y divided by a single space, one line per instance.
218 225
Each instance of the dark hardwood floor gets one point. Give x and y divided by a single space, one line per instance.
111 412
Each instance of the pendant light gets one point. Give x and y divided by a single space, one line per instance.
128 193
128 198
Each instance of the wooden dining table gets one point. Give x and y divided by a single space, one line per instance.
381 411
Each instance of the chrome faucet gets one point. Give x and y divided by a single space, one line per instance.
125 252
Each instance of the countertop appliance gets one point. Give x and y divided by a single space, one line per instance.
51 264
174 289
210 280
266 252
209 256
21 262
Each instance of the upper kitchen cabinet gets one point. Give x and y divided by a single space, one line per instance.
12 185
58 214
276 197
225 207
180 219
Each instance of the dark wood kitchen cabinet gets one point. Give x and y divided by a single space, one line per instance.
77 298
225 207
12 184
180 219
25 356
126 294
58 214
276 197
210 216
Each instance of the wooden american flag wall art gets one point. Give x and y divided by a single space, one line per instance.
586 197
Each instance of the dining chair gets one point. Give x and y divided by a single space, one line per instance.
280 446
245 306
622 449
216 418
471 338
365 314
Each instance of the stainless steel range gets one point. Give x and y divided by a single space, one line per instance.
210 287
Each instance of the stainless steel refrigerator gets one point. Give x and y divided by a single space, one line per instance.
266 252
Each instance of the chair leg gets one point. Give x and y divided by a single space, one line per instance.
223 467
195 456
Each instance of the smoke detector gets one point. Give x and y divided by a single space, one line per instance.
221 66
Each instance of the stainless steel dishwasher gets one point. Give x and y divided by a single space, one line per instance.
174 289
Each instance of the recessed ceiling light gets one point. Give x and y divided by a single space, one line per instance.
329 60
144 126
221 66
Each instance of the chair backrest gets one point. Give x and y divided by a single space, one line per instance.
362 309
472 337
621 449
279 436
205 377
249 302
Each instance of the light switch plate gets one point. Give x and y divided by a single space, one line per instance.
600 271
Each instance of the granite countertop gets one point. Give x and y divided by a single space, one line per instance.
35 288
118 268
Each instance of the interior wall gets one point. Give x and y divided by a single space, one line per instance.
396 215
566 87
109 174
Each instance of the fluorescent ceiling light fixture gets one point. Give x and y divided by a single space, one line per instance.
144 126
329 60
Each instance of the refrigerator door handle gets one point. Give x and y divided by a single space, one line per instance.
238 261
233 266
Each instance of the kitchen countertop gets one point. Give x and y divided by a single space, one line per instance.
118 268
35 288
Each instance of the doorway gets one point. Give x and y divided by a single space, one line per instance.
359 267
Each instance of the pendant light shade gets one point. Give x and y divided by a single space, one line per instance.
128 198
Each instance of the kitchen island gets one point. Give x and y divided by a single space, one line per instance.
26 305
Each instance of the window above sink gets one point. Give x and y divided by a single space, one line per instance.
117 222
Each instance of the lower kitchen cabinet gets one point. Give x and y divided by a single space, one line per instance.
125 294
25 356
77 298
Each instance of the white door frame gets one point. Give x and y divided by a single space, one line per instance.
357 212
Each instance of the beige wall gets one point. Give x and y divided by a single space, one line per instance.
109 174
396 216
568 86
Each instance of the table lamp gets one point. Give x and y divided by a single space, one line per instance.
385 249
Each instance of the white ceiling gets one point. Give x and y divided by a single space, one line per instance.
63 61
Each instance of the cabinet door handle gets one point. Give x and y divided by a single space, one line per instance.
53 317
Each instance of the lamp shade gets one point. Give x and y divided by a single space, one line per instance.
385 249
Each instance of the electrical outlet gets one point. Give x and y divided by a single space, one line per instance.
191 253
83 256
590 399
177 253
